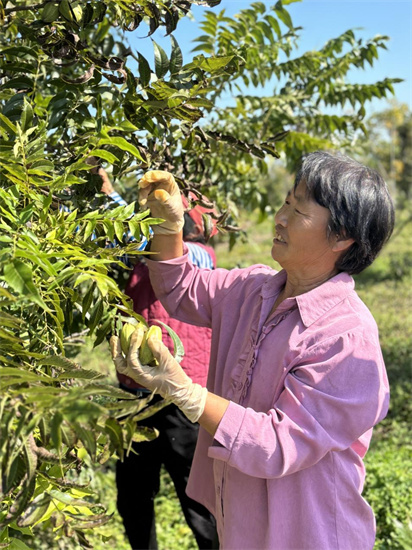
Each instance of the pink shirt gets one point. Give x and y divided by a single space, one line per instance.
285 470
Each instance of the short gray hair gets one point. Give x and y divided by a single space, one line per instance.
358 201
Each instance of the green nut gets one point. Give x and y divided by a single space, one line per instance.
125 335
145 354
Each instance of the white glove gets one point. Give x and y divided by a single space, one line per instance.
167 378
160 192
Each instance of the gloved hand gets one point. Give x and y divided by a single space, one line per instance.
159 192
167 378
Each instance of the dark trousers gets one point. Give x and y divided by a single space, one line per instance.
138 481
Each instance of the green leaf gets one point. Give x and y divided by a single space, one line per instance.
178 349
95 315
144 433
119 230
90 226
70 500
30 459
87 300
176 57
86 436
161 60
19 83
20 375
144 71
283 15
107 390
104 330
213 64
66 10
7 124
79 374
17 544
109 229
134 227
105 155
115 434
26 214
50 12
44 165
141 215
57 361
26 116
122 144
19 277
55 430
35 511
274 23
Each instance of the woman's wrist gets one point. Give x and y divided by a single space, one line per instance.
166 247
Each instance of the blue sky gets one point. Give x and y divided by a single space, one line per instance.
322 20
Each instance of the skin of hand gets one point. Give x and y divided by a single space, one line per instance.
167 378
159 191
107 186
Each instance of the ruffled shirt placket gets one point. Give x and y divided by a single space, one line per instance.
246 379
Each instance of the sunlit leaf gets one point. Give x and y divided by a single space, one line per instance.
161 60
176 58
122 144
19 276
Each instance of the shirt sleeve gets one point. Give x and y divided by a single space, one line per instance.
335 393
199 256
118 199
191 294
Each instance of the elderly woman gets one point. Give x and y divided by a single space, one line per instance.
296 380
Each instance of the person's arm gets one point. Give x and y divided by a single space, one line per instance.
215 408
166 247
334 394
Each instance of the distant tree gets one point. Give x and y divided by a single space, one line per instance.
387 146
404 179
68 93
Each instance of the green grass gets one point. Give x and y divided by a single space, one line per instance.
255 250
386 289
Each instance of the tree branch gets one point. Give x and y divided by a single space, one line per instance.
8 11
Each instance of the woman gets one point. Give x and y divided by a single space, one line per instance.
296 378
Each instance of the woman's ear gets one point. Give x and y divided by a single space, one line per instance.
340 243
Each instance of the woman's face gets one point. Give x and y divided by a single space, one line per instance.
301 243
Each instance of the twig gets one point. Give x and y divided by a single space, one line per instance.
76 336
8 11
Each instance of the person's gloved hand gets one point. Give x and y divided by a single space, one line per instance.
167 378
159 191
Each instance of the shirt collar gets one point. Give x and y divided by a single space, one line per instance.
273 284
318 301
